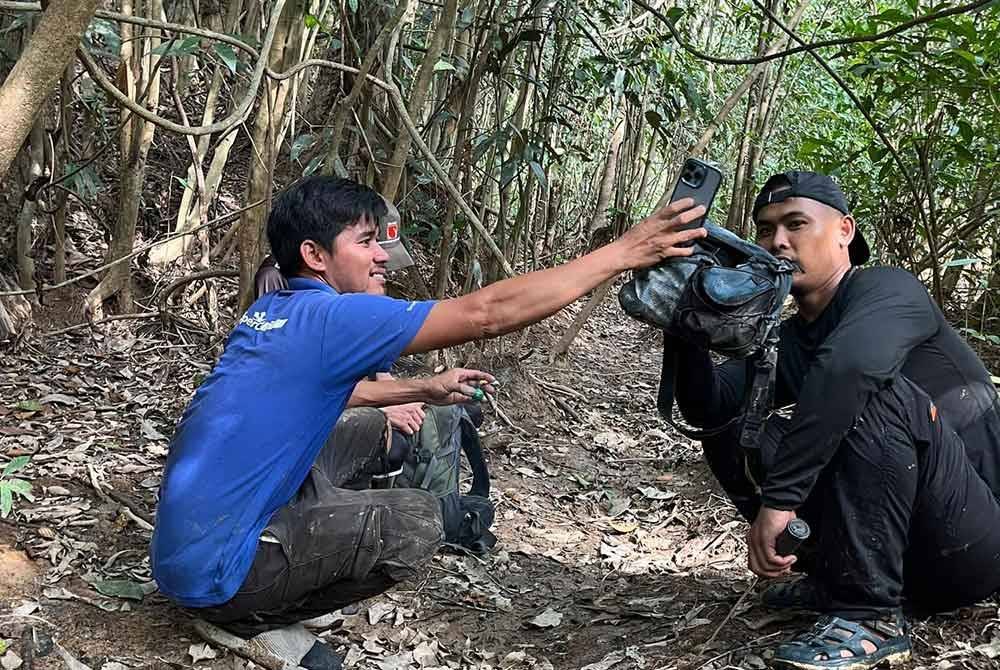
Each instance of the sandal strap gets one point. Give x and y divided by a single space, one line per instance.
827 636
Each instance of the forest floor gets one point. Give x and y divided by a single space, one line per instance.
616 551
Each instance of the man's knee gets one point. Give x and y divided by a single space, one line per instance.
412 530
361 420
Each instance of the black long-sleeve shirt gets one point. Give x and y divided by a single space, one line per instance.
880 323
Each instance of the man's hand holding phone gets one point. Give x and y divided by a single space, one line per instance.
662 234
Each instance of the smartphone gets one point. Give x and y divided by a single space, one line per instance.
700 181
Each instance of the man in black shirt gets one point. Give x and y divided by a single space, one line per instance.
892 451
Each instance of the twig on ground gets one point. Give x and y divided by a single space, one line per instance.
747 647
555 388
739 601
117 317
506 419
566 407
126 506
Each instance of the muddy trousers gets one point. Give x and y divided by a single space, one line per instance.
899 516
338 541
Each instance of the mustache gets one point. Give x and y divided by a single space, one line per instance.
795 264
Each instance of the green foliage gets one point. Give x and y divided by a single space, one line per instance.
12 486
228 56
83 180
102 38
185 47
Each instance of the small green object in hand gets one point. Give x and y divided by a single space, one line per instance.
478 395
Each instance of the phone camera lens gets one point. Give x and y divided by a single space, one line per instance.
693 176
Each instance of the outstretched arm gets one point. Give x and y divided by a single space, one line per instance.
520 301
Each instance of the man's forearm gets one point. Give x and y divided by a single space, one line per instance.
389 392
515 303
521 301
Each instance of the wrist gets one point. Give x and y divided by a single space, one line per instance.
613 258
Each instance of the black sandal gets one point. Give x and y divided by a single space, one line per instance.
835 643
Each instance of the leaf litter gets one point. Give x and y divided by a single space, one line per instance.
610 527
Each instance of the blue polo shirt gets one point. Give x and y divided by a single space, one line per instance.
256 424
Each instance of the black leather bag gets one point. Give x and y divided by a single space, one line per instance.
725 297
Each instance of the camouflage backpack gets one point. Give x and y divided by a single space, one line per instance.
434 464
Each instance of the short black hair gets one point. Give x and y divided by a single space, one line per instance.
318 208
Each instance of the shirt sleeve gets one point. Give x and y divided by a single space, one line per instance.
708 395
364 334
886 313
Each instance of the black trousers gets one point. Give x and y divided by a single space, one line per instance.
338 541
899 516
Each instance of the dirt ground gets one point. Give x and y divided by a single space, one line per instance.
616 550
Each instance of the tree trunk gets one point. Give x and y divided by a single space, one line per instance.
29 205
195 202
59 216
607 181
265 143
140 72
338 120
699 147
418 95
37 71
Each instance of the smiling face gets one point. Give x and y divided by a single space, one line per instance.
356 262
807 232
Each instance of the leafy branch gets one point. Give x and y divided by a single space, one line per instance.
812 46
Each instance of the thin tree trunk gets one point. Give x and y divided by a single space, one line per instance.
265 143
699 147
341 112
195 202
38 70
59 216
607 181
418 95
140 72
26 217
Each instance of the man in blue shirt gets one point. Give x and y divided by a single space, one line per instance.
266 512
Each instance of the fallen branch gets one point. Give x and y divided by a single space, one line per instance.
709 641
90 324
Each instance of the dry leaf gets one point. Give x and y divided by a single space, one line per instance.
607 662
547 619
379 611
201 652
71 662
26 608
624 527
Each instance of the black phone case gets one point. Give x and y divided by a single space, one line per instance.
700 181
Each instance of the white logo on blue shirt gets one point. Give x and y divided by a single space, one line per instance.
260 323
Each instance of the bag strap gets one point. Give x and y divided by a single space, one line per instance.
756 407
761 393
474 452
665 402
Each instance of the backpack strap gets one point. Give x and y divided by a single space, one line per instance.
761 392
474 452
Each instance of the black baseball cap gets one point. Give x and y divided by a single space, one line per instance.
818 187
